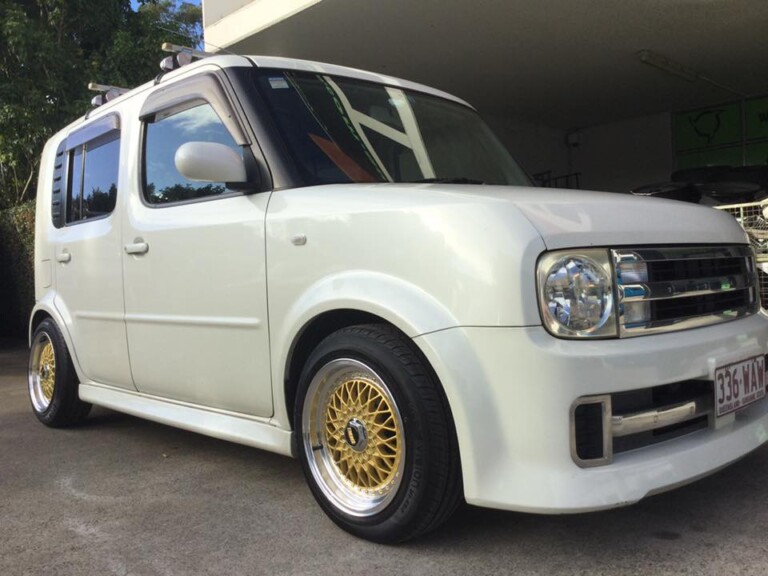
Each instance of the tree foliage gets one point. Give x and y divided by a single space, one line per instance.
51 49
17 277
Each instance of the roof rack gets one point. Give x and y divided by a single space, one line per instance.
182 56
108 93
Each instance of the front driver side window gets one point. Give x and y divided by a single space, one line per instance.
163 184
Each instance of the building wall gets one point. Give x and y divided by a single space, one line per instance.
226 22
537 148
624 155
218 9
615 157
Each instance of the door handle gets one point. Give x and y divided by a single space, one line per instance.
138 247
64 256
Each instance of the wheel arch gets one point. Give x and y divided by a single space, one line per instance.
44 309
308 338
322 326
35 320
335 302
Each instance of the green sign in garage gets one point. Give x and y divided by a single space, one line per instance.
734 134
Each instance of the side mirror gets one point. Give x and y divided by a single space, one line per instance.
210 162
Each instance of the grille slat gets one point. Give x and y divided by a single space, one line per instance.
693 269
684 287
700 305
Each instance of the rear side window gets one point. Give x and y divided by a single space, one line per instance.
92 190
162 182
86 173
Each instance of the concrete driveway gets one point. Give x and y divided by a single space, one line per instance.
124 496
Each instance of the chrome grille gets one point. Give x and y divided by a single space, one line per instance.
752 217
676 288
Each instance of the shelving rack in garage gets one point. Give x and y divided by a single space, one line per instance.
753 217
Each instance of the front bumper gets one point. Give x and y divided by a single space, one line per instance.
511 391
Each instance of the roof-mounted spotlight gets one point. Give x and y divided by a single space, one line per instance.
181 57
175 61
108 93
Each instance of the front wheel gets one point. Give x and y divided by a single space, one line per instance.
377 441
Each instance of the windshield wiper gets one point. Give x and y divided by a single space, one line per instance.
457 180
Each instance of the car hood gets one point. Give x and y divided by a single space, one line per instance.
578 218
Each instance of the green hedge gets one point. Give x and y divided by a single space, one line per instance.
17 273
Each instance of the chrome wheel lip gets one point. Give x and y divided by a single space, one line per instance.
40 401
324 470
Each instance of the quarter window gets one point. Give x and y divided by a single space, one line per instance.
92 185
164 135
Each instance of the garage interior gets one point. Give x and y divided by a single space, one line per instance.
595 94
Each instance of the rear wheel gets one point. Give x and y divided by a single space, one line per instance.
52 379
377 441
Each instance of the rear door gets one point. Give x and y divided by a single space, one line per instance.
195 280
87 241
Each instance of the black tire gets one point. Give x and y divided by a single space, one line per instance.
60 406
425 485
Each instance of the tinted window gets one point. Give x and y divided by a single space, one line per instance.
75 188
163 183
100 179
93 170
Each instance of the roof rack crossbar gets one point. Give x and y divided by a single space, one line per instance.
175 48
107 88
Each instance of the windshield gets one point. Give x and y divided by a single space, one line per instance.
340 130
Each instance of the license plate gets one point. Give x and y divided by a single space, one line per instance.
739 384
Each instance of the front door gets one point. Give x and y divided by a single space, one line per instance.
195 280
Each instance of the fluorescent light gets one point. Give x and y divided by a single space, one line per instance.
677 69
664 63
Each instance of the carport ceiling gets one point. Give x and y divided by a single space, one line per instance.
560 63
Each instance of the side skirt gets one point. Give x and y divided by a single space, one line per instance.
240 428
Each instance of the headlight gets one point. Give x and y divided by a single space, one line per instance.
576 293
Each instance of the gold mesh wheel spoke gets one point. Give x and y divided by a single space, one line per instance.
369 469
47 371
42 372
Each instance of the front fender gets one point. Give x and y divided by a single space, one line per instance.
408 307
412 310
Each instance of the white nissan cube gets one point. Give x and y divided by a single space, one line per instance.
350 269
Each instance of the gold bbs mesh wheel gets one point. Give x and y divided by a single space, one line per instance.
42 372
354 440
52 380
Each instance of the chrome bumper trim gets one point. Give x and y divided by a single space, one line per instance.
659 418
616 426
